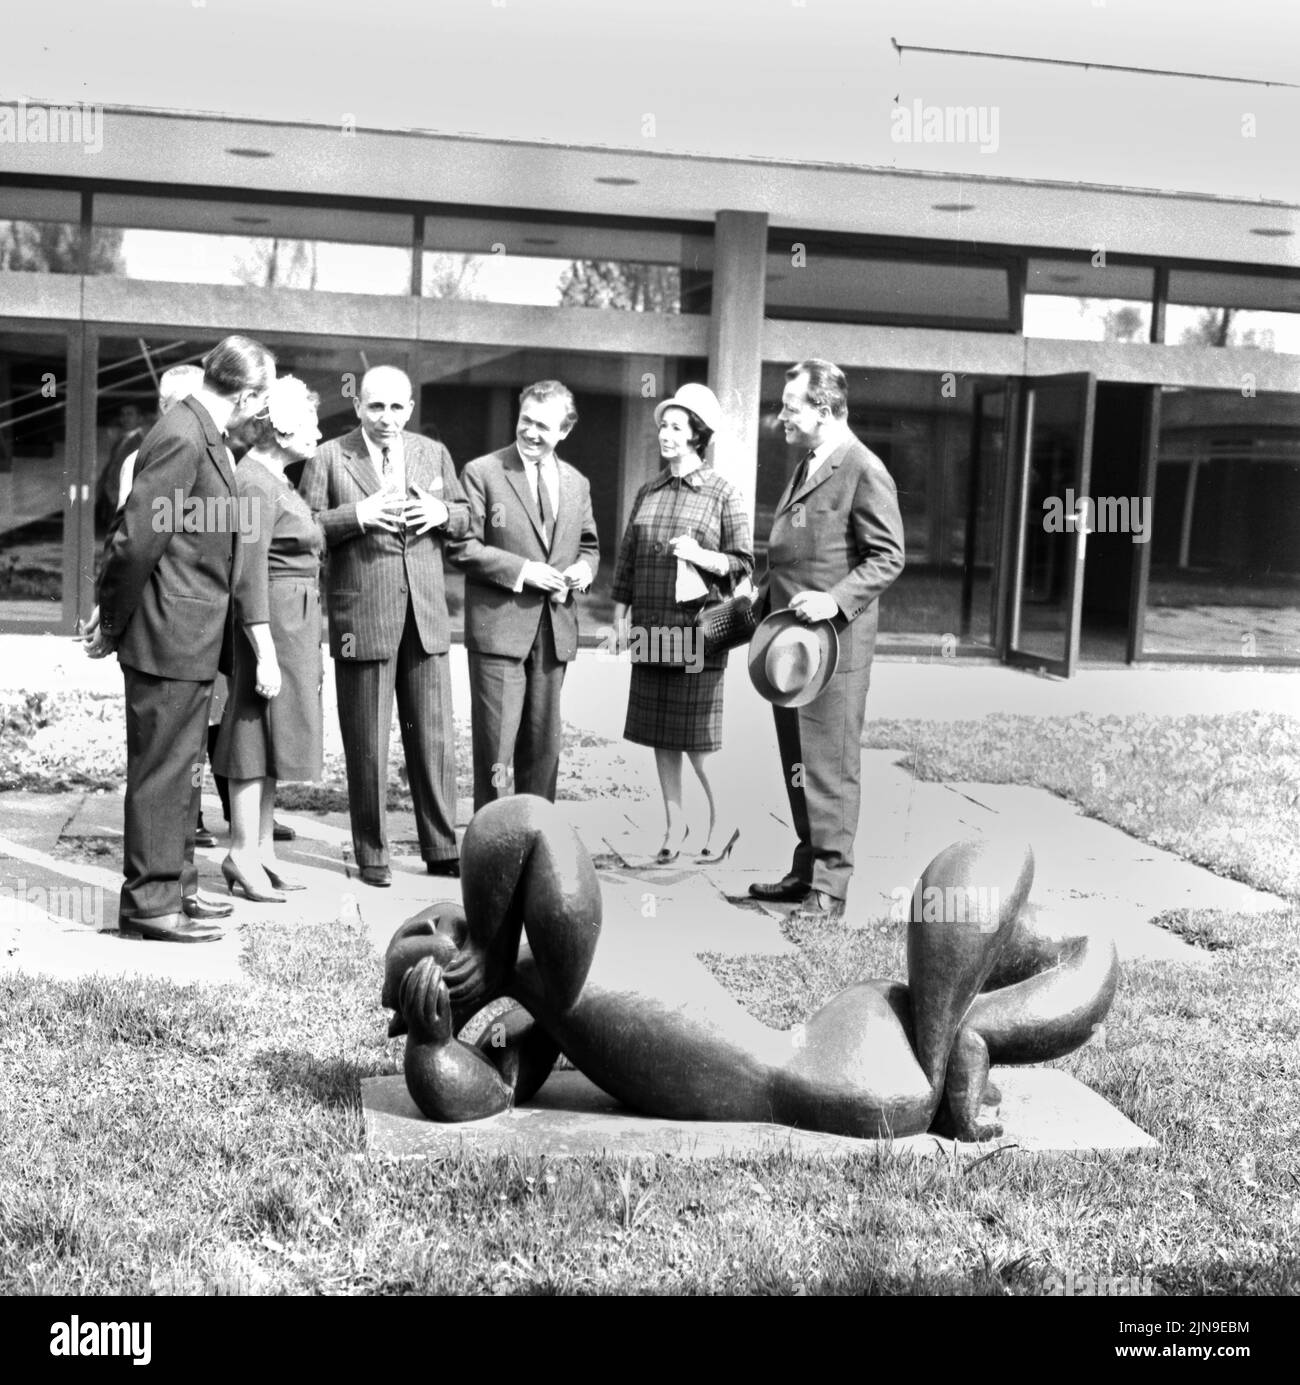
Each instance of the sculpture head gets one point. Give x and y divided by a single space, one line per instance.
436 932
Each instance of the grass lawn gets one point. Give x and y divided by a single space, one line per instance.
200 1139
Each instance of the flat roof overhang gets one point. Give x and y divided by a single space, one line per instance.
177 150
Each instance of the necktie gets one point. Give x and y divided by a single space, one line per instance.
387 463
801 471
544 507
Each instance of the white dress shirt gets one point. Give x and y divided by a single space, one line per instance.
824 450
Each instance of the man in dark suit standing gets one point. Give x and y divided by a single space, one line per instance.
387 500
164 606
532 545
836 544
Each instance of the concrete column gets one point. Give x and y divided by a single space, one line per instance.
736 343
645 383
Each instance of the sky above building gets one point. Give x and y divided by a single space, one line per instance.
996 89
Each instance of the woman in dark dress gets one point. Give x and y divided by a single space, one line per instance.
687 541
273 727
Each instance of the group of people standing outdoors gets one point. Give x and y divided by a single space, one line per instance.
183 596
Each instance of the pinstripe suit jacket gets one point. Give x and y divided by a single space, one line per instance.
370 574
505 532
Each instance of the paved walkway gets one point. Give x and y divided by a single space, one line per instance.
58 898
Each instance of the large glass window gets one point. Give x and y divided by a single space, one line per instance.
1225 556
40 233
945 455
33 442
196 241
491 260
1074 299
1243 310
809 279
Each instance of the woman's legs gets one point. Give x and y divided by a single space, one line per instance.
266 826
669 765
698 759
249 810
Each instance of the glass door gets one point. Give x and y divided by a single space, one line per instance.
1055 462
989 441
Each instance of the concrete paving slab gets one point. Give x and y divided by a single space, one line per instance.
687 912
37 819
1043 1110
96 814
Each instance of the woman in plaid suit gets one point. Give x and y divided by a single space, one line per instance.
687 543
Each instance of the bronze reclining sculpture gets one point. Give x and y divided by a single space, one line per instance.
987 983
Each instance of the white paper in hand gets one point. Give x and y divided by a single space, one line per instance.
690 585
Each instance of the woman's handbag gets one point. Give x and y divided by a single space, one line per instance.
729 623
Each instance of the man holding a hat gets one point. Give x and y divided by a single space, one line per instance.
836 544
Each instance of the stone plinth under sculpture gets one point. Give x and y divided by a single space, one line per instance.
988 981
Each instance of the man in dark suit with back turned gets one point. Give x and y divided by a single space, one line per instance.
164 606
387 499
836 544
533 544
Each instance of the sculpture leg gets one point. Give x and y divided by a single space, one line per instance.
965 1090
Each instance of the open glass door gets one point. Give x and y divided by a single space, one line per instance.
985 487
1046 592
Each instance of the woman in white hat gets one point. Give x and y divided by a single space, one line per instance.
273 728
686 545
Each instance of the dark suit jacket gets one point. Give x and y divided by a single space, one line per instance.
164 588
840 533
371 573
505 532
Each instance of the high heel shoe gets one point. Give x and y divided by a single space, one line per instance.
708 858
278 882
234 876
665 857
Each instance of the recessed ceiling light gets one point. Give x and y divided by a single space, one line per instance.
252 220
540 240
614 182
242 152
953 206
1271 231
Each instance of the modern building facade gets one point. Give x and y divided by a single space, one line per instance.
1089 395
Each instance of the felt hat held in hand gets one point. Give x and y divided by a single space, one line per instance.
791 663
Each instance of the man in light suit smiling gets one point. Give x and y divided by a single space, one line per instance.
386 499
531 547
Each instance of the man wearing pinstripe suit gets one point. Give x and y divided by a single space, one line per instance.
387 500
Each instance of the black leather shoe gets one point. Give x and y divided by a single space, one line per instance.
281 833
196 907
170 928
788 890
202 837
451 867
376 875
818 908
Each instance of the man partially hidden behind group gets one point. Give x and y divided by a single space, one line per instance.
836 544
387 499
164 608
532 546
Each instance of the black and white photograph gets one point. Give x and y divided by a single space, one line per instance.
650 649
